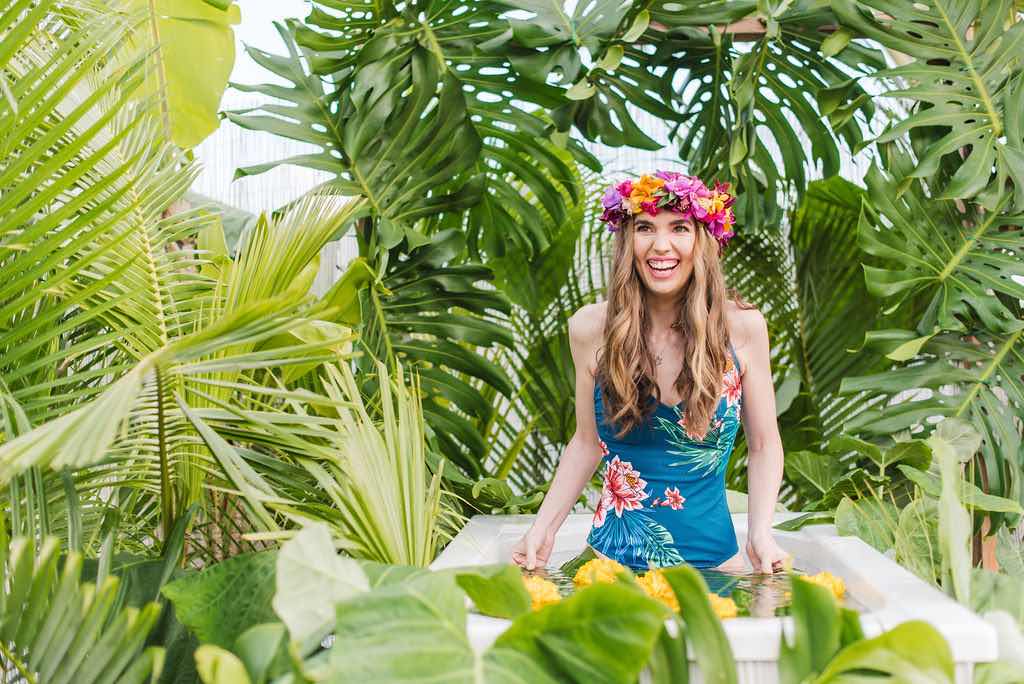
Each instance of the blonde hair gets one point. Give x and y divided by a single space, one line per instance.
625 368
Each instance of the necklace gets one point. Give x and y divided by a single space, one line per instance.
657 357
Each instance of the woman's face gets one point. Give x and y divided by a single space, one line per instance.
663 249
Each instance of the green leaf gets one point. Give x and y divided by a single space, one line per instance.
917 539
703 628
913 651
961 437
967 493
602 633
263 648
954 523
428 612
224 600
1009 554
496 590
817 630
835 43
218 666
996 591
63 630
311 578
965 94
935 251
873 520
801 521
178 30
821 471
640 23
344 294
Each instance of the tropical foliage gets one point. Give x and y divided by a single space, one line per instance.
188 435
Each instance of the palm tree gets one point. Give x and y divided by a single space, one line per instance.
106 333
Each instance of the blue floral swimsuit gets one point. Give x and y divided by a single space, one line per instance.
663 500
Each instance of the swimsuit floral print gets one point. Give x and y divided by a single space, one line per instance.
623 527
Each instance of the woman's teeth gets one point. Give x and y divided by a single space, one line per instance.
662 266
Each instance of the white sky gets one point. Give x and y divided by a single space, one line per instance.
257 29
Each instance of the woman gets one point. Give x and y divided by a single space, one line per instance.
666 369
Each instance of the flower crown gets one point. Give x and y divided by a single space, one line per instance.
673 191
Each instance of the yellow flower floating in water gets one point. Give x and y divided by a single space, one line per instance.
826 579
657 587
597 571
542 592
724 608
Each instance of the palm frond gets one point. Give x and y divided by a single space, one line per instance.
55 628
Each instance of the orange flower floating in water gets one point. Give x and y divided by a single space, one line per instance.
542 592
597 571
826 579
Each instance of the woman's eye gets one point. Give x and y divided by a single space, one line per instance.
682 229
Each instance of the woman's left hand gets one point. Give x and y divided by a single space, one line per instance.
766 556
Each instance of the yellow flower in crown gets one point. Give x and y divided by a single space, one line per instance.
642 196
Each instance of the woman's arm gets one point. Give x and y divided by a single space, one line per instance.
764 446
582 454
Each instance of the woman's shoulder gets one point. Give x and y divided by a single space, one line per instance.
587 324
586 333
746 325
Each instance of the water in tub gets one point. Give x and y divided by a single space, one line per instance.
755 595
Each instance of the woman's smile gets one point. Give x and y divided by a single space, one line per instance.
662 267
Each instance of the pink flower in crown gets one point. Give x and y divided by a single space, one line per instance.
625 188
669 175
623 488
732 387
673 499
650 207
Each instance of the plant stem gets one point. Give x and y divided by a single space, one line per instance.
29 679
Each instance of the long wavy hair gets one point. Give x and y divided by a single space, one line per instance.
625 368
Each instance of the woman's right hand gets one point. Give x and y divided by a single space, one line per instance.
534 549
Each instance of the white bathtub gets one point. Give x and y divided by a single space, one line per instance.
890 594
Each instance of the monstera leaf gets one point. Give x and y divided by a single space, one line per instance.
432 129
967 76
429 312
975 378
756 116
809 286
932 249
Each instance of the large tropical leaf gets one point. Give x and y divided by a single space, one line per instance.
411 133
766 116
529 429
967 74
55 628
360 465
173 32
809 286
976 378
102 326
966 262
431 311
